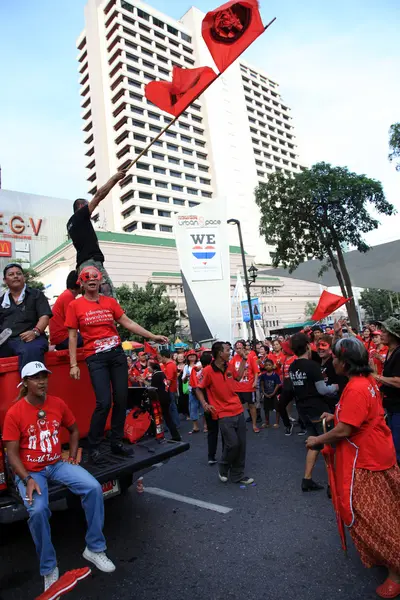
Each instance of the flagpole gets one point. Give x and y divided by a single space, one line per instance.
174 120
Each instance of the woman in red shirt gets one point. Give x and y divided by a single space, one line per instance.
367 475
95 316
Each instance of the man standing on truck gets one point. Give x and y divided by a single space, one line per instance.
83 235
58 332
31 432
25 312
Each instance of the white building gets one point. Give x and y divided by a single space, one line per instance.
223 145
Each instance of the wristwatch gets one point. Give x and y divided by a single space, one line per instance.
36 332
25 481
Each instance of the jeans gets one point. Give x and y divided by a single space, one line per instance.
212 435
173 410
169 421
64 345
233 431
108 369
195 409
26 351
394 424
81 483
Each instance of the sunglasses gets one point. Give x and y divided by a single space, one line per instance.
89 276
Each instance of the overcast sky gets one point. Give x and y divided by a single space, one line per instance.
338 65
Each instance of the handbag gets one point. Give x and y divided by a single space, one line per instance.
137 423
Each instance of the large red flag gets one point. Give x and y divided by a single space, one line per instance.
186 85
327 304
230 29
150 350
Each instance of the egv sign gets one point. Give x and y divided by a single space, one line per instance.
18 225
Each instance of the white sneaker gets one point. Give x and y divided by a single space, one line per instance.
100 560
51 578
222 478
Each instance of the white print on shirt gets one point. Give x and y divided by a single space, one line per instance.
298 377
32 437
45 436
245 376
54 434
43 458
99 316
106 344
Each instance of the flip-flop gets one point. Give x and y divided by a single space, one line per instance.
194 431
256 430
388 589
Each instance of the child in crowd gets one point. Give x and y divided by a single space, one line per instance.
270 383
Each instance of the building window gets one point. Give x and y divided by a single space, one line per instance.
193 204
164 199
126 197
155 128
174 161
127 6
172 30
202 168
131 227
166 228
160 170
184 126
149 226
139 138
144 180
145 196
143 15
146 211
157 155
177 188
171 134
190 177
164 213
159 35
158 23
186 37
201 155
186 139
143 166
125 182
175 173
192 191
161 184
179 202
188 164
206 194
172 147
198 143
138 123
187 151
205 181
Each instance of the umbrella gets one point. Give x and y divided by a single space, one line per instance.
329 456
128 345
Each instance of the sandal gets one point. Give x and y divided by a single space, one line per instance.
256 430
388 589
265 426
276 426
194 431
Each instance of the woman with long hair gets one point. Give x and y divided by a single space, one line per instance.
183 396
195 408
367 476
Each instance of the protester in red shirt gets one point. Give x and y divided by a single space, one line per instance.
141 364
58 331
367 475
95 316
286 396
171 373
278 357
245 369
224 404
378 354
32 434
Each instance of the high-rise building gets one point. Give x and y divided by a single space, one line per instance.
226 142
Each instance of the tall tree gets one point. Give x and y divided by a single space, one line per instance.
379 304
394 144
150 307
316 214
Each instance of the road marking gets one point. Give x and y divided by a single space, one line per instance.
200 503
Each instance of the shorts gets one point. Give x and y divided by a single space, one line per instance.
246 397
195 408
313 425
270 403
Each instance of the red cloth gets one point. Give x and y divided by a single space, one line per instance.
96 322
327 304
288 361
186 85
278 359
133 376
39 439
195 377
58 331
247 382
220 391
150 349
230 29
170 371
378 363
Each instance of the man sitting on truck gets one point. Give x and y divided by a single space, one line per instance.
59 335
32 435
24 315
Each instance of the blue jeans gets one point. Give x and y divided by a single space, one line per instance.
394 424
173 410
195 408
79 482
64 345
26 351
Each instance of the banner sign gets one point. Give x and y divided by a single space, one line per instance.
255 307
5 248
203 252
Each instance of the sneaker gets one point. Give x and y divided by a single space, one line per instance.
100 560
51 578
4 335
222 478
212 461
246 481
256 430
309 485
292 419
289 430
302 432
95 457
122 450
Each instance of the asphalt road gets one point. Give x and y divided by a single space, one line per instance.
275 543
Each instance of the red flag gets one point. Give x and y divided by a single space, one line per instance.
150 350
327 304
186 86
230 29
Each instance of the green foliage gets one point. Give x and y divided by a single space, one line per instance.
148 306
394 144
310 309
379 304
318 209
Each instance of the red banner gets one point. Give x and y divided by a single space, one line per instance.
327 304
186 85
230 29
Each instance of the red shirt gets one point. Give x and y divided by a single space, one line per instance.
361 407
247 381
39 439
96 322
170 371
133 377
378 364
58 330
278 358
219 387
288 361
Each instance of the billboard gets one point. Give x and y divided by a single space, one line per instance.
203 252
255 307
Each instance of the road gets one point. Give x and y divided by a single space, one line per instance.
274 543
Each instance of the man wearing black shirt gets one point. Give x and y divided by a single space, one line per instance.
26 312
83 235
324 348
310 391
159 381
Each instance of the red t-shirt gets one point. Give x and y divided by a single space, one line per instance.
247 381
133 377
285 369
170 371
39 439
58 331
220 391
96 322
279 359
360 406
378 363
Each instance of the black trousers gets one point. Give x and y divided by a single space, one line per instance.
212 435
165 405
108 371
285 398
233 431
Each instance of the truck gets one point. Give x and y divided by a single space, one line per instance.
115 473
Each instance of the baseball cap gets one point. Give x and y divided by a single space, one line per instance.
376 332
141 354
31 369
